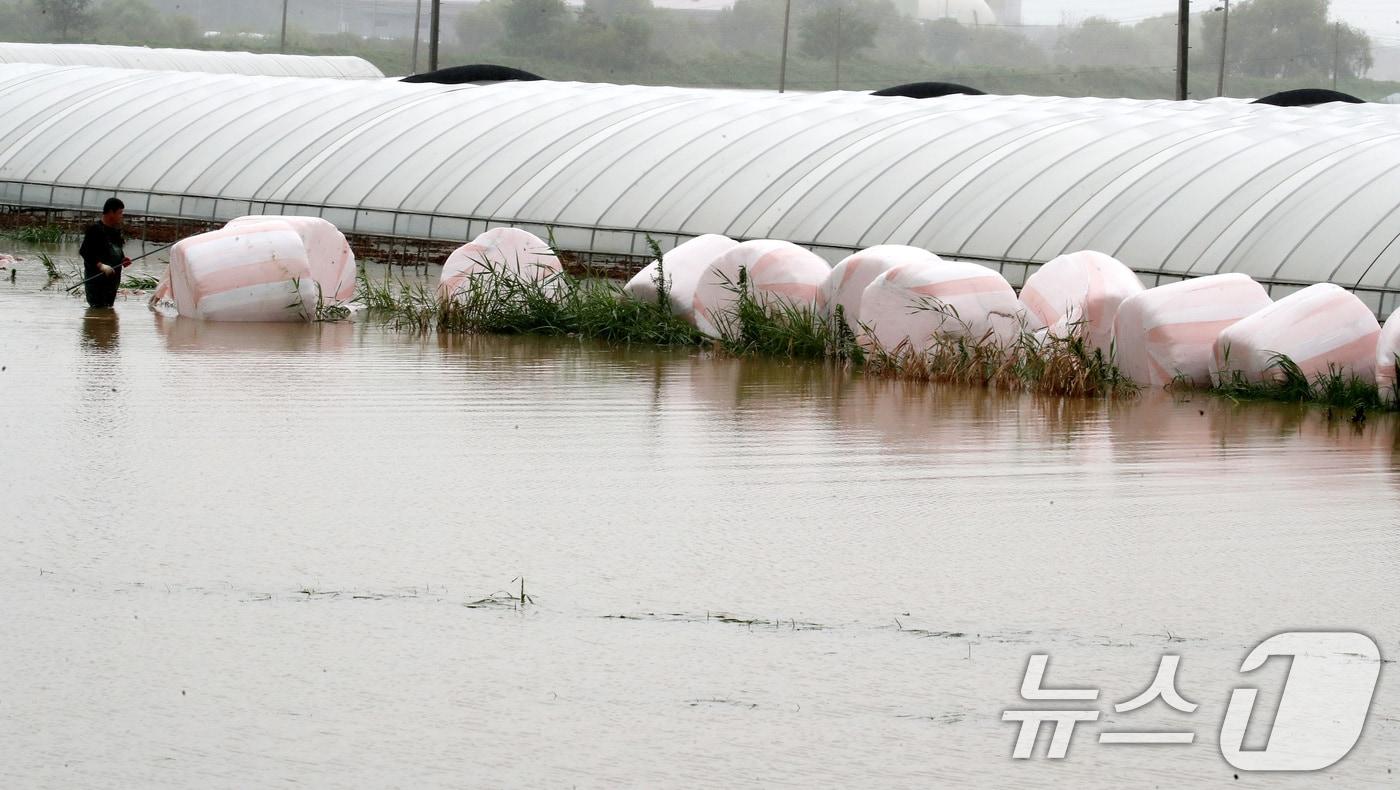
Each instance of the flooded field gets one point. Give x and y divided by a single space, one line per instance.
256 555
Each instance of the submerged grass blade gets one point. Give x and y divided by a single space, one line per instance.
140 282
36 234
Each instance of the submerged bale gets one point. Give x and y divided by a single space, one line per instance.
1170 330
923 299
846 283
1320 328
1080 287
328 252
776 272
1387 353
253 272
512 251
683 266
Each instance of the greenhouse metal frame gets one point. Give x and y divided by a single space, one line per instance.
1290 196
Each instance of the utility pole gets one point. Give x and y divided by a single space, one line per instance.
434 27
782 63
1224 35
1183 42
417 31
838 46
283 47
1336 52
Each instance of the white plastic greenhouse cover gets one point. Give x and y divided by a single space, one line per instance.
343 67
1289 196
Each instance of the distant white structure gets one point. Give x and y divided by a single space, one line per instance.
1008 11
212 62
1393 98
967 12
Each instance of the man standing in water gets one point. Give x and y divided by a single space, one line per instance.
102 255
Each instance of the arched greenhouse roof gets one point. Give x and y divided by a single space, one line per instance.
214 62
1290 196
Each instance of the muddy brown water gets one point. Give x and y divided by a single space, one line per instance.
252 555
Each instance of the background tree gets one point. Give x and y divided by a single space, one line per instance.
528 23
1157 37
1286 39
481 27
63 17
944 40
611 10
137 22
1099 42
18 22
990 46
835 31
752 26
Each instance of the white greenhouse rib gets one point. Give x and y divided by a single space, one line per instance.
1262 182
212 61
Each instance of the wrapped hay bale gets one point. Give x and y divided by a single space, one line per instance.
1081 287
502 251
1387 350
1319 328
848 279
328 252
917 301
776 272
1170 330
683 266
254 272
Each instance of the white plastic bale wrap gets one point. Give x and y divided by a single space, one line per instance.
503 250
918 301
254 272
1387 349
1319 328
1171 329
777 271
1081 287
327 250
684 266
848 280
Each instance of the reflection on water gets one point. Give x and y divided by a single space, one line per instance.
183 334
272 586
100 325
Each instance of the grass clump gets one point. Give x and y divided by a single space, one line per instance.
375 296
140 282
1046 363
36 234
782 329
329 312
1050 366
50 266
500 299
1285 382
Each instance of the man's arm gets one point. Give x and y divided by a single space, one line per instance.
91 252
87 251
